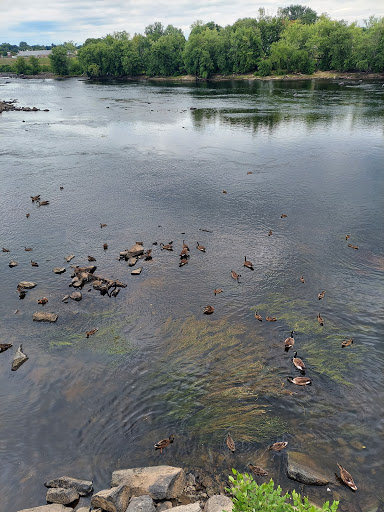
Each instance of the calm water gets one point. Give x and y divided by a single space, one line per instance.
151 161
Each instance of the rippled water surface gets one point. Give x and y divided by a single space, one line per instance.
152 161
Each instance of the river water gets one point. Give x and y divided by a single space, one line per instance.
151 160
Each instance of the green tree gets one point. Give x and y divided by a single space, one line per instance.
245 48
200 53
20 65
59 61
299 12
166 55
34 65
154 31
23 45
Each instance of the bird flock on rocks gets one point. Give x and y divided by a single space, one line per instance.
184 255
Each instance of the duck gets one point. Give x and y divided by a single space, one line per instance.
89 333
249 172
235 275
353 246
280 445
347 478
258 317
298 363
270 232
200 247
321 295
347 237
185 246
34 263
183 261
164 443
103 225
148 255
270 319
27 215
320 319
43 203
257 470
43 300
91 258
289 342
35 198
5 250
184 253
61 187
208 310
28 249
248 264
283 215
230 443
300 381
224 192
105 247
217 291
347 343
21 291
5 346
167 247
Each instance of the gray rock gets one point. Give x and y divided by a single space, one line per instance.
85 509
164 505
112 500
69 258
76 296
302 468
135 250
63 496
132 261
83 487
137 271
40 316
159 482
59 270
19 359
192 507
26 284
141 504
47 508
218 503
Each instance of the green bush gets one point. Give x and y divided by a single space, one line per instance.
248 496
264 67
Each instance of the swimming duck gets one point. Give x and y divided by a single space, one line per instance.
224 191
283 215
248 264
35 198
105 247
347 343
217 291
200 247
28 249
5 250
5 346
43 300
164 443
103 225
289 342
183 261
320 320
298 363
321 295
347 237
347 478
352 246
43 203
185 246
184 253
235 275
208 310
249 172
230 443
89 333
27 215
91 258
61 187
270 319
257 470
300 381
270 232
167 247
280 445
34 264
302 279
258 317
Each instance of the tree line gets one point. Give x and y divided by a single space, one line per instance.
295 40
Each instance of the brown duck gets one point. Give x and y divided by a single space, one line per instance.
353 246
321 295
92 331
230 443
280 445
235 275
217 291
300 381
302 279
320 319
164 443
43 300
347 343
34 263
257 470
258 317
208 310
270 319
347 478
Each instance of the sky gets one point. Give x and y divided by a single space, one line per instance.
57 21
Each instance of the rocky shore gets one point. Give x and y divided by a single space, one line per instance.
10 106
149 489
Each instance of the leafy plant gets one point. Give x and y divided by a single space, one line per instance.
248 496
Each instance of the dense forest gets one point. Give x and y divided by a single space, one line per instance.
295 40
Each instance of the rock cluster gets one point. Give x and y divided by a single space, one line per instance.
9 106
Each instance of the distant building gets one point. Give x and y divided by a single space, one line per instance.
33 53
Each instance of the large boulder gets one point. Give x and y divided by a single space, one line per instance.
54 507
218 503
135 250
302 468
19 358
141 504
112 500
60 495
83 487
40 316
192 507
159 482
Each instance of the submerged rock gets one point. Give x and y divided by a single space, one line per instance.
59 270
302 468
69 258
135 250
26 284
76 296
44 317
159 482
132 261
61 495
19 359
137 271
112 500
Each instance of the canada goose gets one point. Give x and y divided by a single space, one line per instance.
249 172
320 320
103 225
217 291
200 247
89 333
184 253
12 264
289 342
300 381
347 343
105 247
35 198
280 445
270 232
248 264
27 215
302 279
224 192
28 249
258 317
347 237
185 246
5 250
257 470
167 247
298 363
352 246
43 203
346 478
61 187
270 319
230 443
321 295
91 258
164 443
148 255
283 215
183 261
5 346
235 275
208 310
34 264
43 300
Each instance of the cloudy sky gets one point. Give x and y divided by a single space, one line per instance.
56 21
